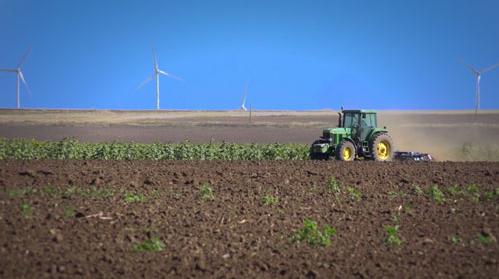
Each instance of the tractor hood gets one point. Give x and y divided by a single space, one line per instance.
329 132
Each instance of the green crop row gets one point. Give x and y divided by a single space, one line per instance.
73 149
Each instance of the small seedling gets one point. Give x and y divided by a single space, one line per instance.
26 209
485 239
354 193
334 186
313 188
408 208
207 192
456 239
473 192
311 234
94 192
69 212
132 197
19 193
270 200
436 194
150 245
155 193
70 192
392 239
49 190
492 195
396 217
454 190
392 195
417 190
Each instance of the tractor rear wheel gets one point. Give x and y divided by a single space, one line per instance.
345 151
382 147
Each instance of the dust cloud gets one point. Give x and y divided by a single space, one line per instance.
453 136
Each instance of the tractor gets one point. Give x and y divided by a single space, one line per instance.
357 136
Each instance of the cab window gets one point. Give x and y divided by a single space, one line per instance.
373 120
351 119
368 120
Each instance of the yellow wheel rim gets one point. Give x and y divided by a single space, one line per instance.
383 150
347 153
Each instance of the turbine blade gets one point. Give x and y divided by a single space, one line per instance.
25 83
154 59
8 70
488 69
169 75
471 68
148 79
245 94
24 57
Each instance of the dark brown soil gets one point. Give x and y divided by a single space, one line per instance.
70 219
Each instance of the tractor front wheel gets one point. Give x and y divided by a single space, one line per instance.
319 156
345 151
382 147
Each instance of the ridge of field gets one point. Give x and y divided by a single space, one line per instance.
220 219
447 135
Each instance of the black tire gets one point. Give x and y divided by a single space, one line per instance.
382 148
313 156
341 151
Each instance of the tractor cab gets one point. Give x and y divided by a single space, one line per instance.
356 136
361 123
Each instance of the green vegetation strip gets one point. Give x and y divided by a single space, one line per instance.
73 149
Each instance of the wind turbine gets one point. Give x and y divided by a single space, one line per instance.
478 75
155 74
243 104
20 76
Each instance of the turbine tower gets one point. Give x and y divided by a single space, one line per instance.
20 77
155 74
243 104
478 75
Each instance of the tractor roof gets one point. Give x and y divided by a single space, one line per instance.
359 111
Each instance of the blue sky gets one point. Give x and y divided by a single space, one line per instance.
294 54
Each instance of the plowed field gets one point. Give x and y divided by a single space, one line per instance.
91 219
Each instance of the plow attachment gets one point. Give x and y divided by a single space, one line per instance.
411 156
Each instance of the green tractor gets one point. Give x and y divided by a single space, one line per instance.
357 136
